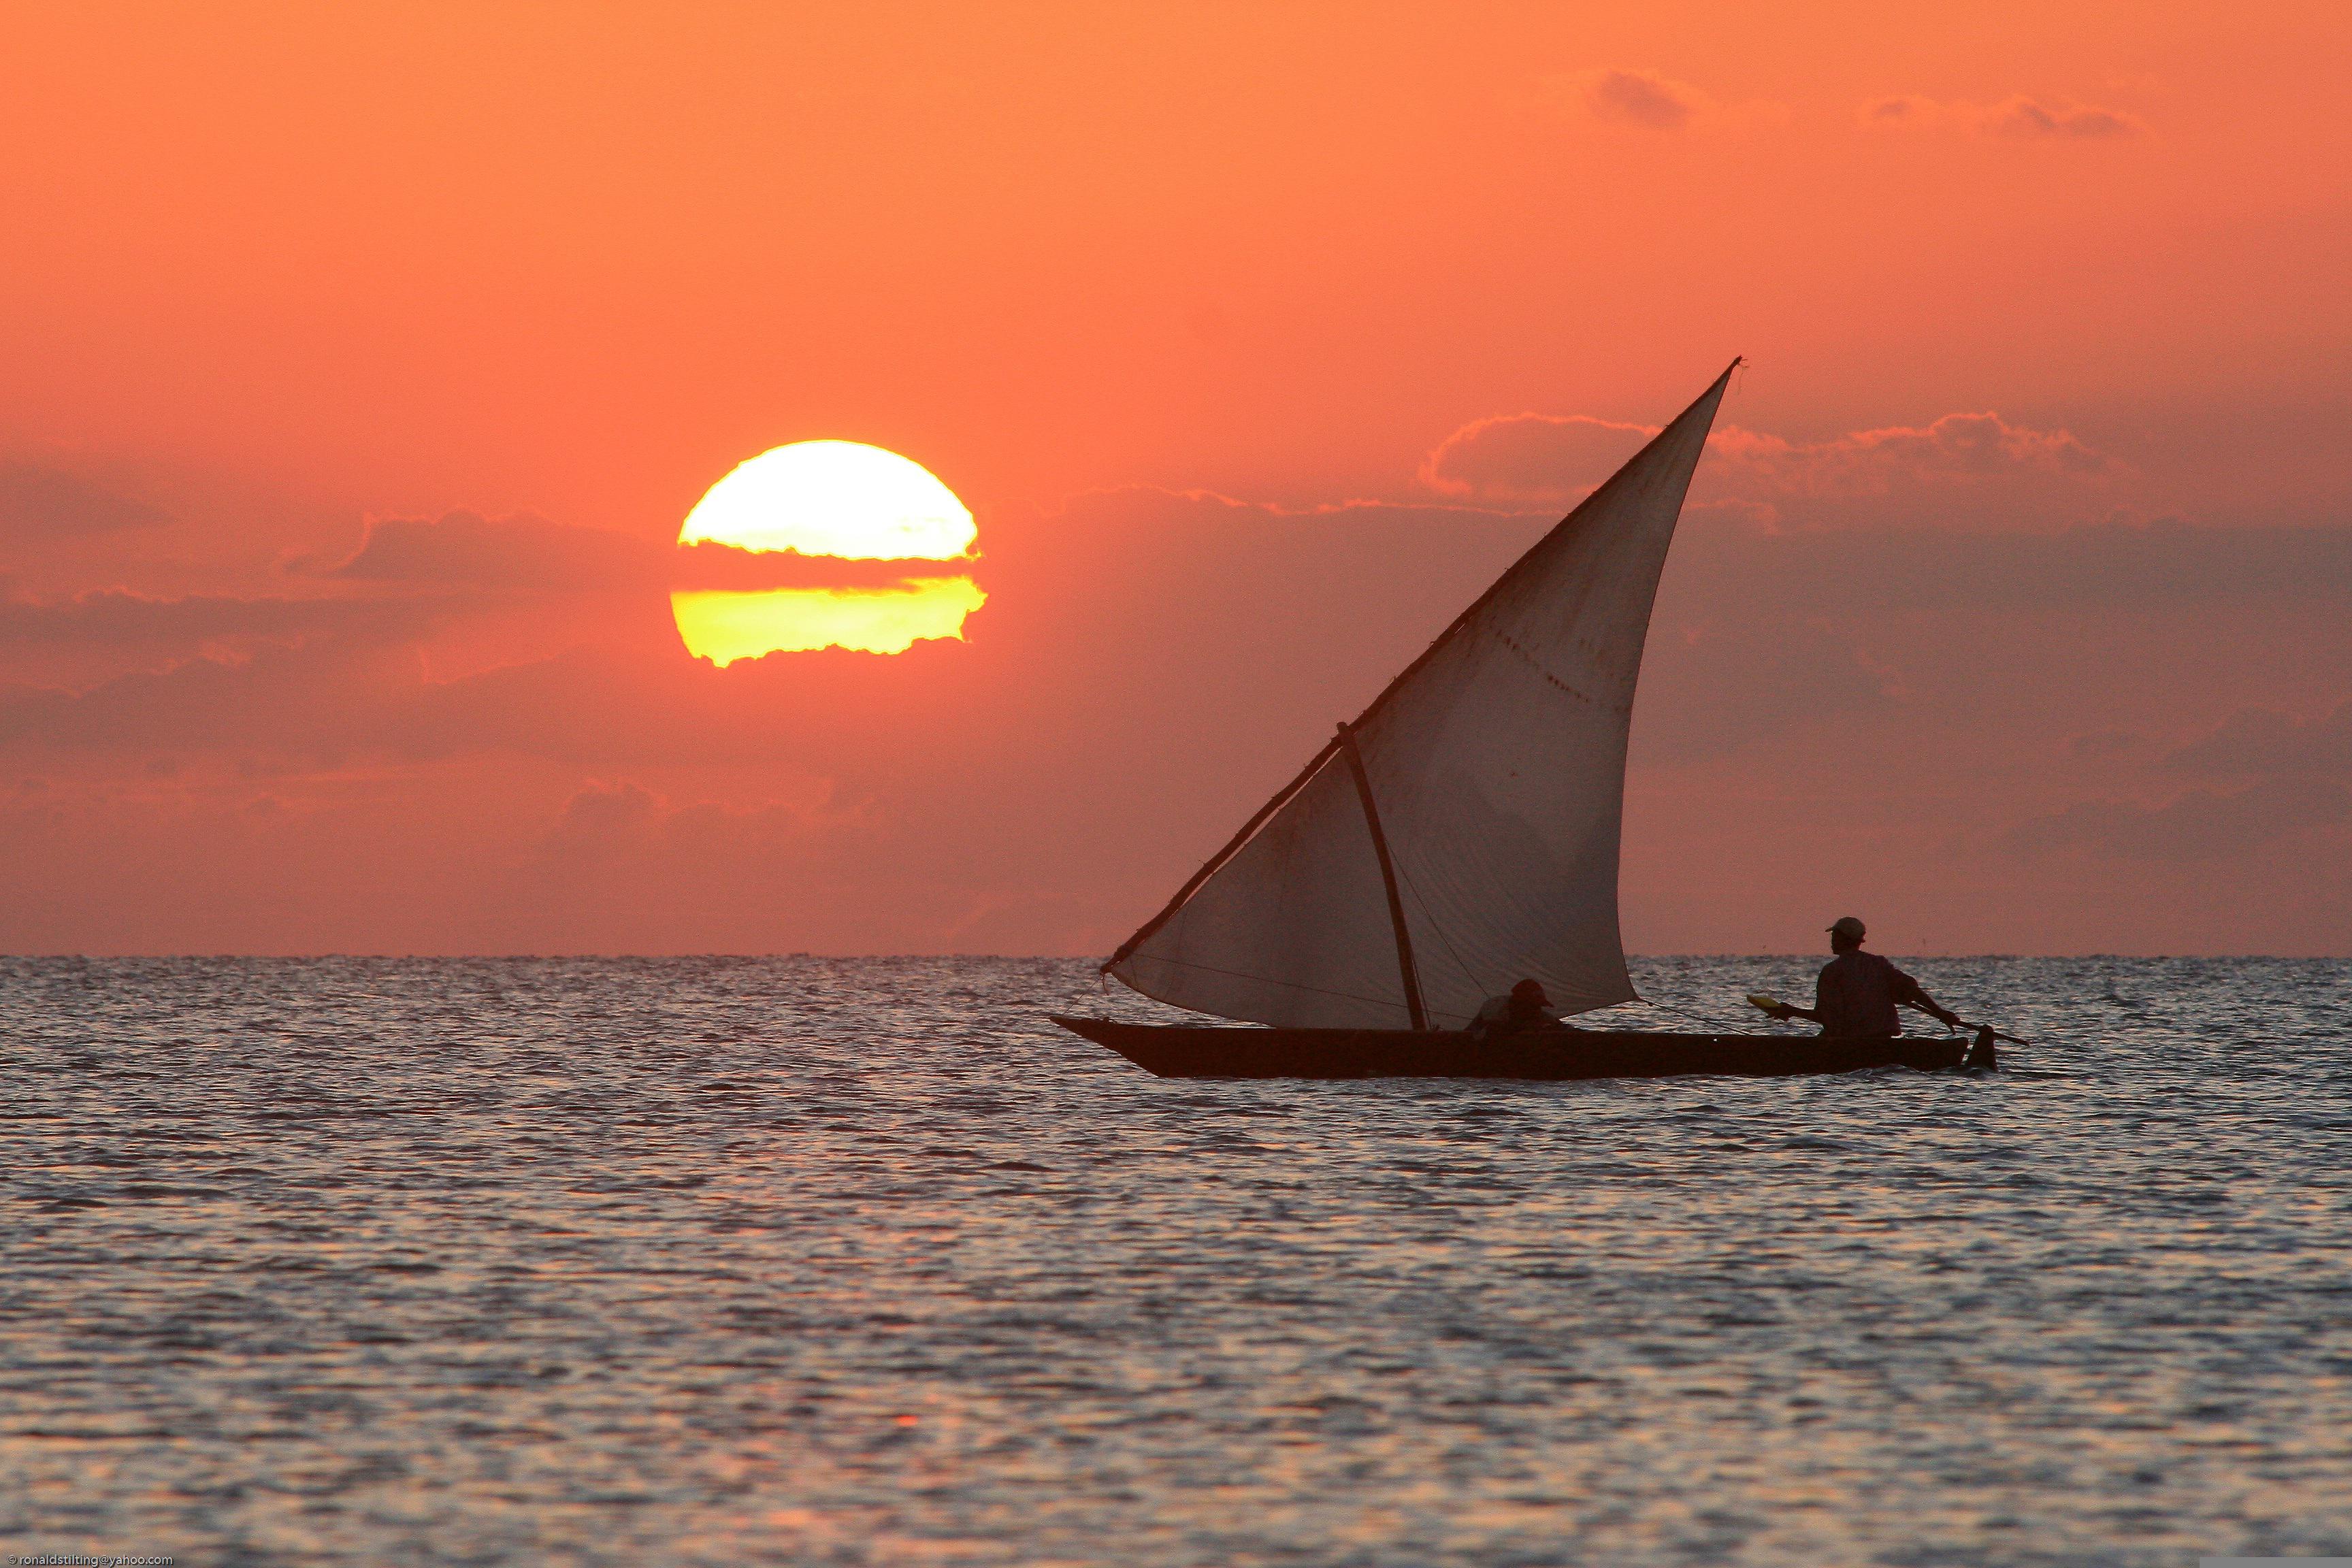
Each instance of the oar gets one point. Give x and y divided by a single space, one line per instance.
1766 1004
1979 1055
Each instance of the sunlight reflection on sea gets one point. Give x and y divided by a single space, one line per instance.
737 1261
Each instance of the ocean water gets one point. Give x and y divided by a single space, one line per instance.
805 1262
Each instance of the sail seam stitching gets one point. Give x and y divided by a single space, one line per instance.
1518 569
1538 666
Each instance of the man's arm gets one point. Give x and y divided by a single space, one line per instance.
1787 1010
1908 991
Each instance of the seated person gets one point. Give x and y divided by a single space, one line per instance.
1527 1007
1858 992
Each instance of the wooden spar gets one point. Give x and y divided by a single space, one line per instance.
1232 849
1494 589
1388 878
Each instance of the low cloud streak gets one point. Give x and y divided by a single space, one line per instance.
2201 825
2018 117
1953 463
39 502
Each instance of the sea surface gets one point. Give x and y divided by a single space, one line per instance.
805 1262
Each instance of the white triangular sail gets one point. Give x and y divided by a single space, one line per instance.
1496 771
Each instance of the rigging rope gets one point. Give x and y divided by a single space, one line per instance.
1439 932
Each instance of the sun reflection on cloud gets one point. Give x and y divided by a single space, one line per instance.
725 626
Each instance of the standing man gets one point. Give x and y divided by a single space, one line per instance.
1858 992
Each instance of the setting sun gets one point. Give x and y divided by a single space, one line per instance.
833 498
841 501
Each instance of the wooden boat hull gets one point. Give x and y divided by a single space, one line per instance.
1208 1050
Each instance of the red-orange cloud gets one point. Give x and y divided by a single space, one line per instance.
2017 116
38 502
1529 457
1640 98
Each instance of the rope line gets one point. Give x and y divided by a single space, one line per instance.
1439 932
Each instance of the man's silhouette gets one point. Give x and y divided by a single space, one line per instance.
1858 992
1527 1007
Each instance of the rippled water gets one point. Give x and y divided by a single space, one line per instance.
806 1261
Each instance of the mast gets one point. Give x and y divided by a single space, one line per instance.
1419 1014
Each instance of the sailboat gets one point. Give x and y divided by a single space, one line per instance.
1459 835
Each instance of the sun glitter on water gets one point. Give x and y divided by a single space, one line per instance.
838 499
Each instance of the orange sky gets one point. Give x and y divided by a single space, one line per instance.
2074 679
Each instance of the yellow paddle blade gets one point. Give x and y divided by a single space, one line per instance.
1757 999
